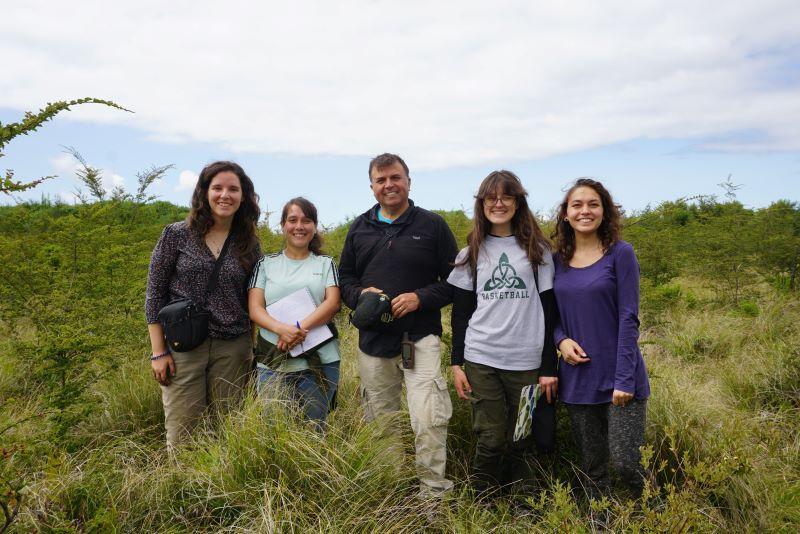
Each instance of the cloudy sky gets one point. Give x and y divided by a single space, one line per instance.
658 99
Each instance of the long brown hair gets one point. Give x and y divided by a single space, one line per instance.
609 228
244 226
523 224
310 211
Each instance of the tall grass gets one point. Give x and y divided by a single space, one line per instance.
722 439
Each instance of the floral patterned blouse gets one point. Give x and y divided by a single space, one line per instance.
180 267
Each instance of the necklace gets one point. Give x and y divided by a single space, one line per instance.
215 245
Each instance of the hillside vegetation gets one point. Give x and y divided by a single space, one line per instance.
81 422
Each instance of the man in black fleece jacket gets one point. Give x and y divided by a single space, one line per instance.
406 252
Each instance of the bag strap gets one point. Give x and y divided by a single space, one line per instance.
212 281
388 234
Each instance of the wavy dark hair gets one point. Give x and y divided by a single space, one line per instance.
310 211
609 228
246 245
523 224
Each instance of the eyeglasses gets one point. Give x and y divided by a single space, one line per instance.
505 200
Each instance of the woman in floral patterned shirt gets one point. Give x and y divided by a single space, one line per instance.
224 202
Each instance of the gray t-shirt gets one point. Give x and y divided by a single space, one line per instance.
507 329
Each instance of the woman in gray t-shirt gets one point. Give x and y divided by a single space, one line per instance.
503 311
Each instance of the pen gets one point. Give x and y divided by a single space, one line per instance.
299 328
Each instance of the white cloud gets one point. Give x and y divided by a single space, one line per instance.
442 83
186 181
112 179
64 165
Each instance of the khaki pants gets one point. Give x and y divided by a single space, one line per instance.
211 375
429 405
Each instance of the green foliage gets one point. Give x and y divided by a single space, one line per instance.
84 445
655 237
724 243
145 179
779 233
30 123
748 308
91 177
655 300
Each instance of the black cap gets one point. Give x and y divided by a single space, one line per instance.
374 310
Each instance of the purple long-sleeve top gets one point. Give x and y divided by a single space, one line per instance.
599 309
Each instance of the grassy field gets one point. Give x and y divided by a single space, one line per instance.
723 440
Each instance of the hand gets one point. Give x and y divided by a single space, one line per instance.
404 304
289 336
572 352
371 290
461 383
620 398
549 385
163 369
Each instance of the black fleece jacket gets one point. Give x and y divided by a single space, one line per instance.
418 258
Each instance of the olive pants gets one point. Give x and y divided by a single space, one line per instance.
495 401
212 375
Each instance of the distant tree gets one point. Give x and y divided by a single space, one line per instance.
91 177
779 227
658 235
146 178
730 188
31 122
724 244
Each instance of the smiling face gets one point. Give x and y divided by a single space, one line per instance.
224 195
298 229
584 210
390 185
499 208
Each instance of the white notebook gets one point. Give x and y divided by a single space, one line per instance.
294 307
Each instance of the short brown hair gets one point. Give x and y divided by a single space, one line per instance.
385 160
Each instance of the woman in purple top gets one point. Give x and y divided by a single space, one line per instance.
604 385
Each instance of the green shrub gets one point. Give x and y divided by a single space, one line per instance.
748 308
722 419
690 299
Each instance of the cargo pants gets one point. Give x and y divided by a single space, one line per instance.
499 460
429 406
212 375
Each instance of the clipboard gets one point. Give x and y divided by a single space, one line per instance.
292 308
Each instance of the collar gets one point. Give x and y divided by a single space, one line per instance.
407 215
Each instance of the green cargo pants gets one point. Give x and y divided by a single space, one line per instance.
495 400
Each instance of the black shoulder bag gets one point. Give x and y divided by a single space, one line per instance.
185 322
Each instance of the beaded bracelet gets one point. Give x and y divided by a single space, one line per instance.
160 355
